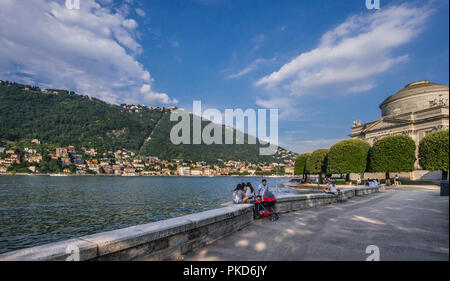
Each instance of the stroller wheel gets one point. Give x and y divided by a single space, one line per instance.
273 217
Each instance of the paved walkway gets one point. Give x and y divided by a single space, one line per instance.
405 224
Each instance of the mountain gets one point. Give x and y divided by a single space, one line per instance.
63 118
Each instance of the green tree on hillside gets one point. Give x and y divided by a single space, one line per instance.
433 152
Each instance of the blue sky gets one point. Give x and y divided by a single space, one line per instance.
322 63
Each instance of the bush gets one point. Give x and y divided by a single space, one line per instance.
300 164
348 156
317 162
433 151
393 154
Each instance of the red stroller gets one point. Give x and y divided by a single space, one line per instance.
265 207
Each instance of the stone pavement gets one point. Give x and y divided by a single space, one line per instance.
405 224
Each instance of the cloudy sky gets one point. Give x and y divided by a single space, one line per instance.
321 63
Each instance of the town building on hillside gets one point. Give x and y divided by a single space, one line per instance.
61 152
36 141
30 150
184 171
34 159
289 170
77 159
420 108
90 152
66 160
196 172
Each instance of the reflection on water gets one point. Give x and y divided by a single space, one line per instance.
41 210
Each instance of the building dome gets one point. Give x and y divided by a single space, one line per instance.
414 97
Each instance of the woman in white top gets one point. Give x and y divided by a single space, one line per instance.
250 190
332 188
239 195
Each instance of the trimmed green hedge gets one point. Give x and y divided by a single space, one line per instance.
348 156
433 151
317 163
393 154
300 164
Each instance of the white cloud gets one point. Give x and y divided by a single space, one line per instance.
141 12
251 67
289 112
350 56
302 146
151 96
361 88
92 50
130 23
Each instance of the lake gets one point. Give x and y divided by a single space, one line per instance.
36 210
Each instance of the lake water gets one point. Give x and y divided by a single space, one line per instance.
36 210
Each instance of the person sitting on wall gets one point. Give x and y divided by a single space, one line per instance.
333 189
327 187
250 191
239 195
373 183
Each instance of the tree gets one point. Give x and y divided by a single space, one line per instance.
348 156
317 163
300 164
433 152
393 154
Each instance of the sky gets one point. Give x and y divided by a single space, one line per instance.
322 63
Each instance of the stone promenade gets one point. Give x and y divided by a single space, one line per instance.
405 224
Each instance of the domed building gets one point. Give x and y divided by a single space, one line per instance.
417 110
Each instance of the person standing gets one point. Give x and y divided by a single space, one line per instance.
396 182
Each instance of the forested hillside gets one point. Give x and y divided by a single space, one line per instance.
64 118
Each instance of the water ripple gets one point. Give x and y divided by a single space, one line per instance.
41 210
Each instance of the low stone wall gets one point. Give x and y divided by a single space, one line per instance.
170 239
290 203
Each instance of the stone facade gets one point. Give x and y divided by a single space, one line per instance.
417 110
